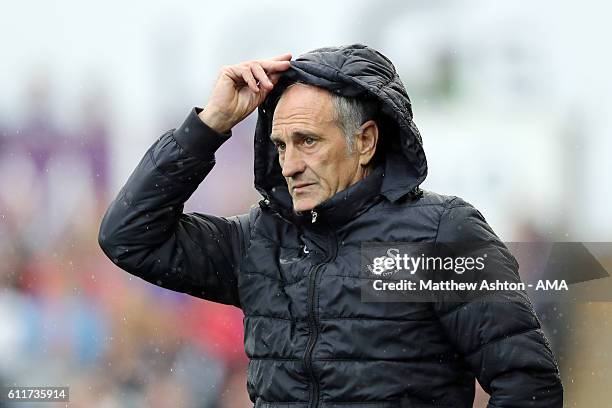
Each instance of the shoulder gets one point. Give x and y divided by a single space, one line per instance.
435 204
455 218
444 202
458 220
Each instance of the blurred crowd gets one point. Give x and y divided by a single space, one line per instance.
68 316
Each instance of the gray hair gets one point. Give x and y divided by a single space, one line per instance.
349 114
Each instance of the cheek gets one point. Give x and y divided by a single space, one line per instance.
324 171
343 170
331 168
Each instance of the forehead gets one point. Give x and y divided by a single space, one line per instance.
303 105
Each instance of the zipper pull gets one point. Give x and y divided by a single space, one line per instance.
314 216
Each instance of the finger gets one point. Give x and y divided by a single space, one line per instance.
274 78
248 77
261 76
233 72
274 66
283 57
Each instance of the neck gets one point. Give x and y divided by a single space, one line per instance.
366 171
362 172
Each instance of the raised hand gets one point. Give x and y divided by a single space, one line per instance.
239 89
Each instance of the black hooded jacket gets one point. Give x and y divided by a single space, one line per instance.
311 340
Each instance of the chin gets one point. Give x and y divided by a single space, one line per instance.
304 205
299 208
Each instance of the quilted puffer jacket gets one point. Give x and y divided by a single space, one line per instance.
311 340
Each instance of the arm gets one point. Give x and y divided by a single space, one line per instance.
145 232
499 336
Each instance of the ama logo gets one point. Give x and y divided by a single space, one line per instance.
552 285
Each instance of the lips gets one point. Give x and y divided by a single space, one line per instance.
298 188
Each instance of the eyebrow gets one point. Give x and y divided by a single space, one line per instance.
300 134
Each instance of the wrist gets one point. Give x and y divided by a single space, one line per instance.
197 138
215 120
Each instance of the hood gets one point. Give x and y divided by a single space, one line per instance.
353 71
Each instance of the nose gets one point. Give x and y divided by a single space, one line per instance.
291 162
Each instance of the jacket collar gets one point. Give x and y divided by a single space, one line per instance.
337 210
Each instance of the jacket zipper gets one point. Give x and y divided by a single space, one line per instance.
314 332
312 316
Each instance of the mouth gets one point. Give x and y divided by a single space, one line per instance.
301 187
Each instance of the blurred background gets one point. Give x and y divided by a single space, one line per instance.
512 100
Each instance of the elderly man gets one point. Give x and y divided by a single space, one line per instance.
338 161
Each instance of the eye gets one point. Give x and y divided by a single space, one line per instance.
280 146
309 141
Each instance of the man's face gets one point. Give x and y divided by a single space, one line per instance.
311 147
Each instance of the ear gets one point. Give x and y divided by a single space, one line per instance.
366 142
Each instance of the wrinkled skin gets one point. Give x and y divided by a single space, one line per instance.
313 153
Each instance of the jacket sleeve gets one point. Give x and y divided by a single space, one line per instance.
498 334
145 232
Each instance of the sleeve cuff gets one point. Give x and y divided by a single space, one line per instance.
197 138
